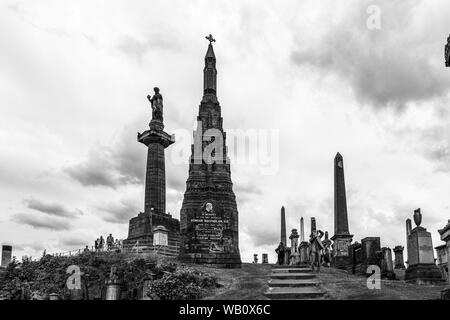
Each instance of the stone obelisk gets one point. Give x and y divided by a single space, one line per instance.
302 230
283 237
342 237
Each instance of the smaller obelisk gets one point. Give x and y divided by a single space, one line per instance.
342 237
302 230
283 226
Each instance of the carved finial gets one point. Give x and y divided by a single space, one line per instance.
210 39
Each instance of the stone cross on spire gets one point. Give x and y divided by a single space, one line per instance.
210 39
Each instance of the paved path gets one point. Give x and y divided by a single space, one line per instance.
293 283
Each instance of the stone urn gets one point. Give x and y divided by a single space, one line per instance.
417 217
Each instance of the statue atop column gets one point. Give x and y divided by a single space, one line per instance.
157 105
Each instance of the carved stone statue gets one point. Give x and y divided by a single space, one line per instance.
157 105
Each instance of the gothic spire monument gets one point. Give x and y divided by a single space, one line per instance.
342 237
154 227
209 215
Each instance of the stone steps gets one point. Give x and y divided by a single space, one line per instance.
298 293
293 270
293 283
292 276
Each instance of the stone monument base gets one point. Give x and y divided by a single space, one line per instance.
218 260
423 274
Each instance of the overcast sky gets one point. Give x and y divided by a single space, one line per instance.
74 76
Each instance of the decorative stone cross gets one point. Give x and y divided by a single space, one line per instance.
210 39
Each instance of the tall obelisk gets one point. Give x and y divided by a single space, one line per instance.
342 237
283 237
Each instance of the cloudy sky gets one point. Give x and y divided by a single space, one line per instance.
73 84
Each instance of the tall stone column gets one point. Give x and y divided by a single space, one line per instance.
408 233
445 236
342 237
155 180
283 237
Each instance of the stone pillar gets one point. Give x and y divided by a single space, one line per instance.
408 232
283 237
295 256
113 289
387 268
445 236
265 258
302 230
303 250
255 258
342 237
399 262
421 265
6 255
313 226
155 180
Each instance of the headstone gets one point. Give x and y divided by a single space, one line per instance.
283 237
399 262
6 255
342 237
255 258
265 258
387 268
369 248
441 260
355 253
421 265
445 236
113 285
209 215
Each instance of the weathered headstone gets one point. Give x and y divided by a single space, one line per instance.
445 236
387 268
369 248
255 258
342 237
6 255
265 258
209 215
421 264
399 261
441 260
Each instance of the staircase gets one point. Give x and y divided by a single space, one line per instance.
293 283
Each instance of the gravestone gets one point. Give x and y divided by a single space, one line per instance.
113 285
265 258
421 265
445 236
369 248
387 268
399 267
255 258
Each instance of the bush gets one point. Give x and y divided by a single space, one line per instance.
183 284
